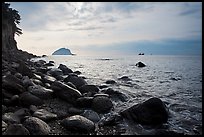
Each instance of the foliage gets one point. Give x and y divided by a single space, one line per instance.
12 16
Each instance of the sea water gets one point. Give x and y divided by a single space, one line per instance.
176 80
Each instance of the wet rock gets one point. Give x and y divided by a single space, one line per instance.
65 69
65 92
78 123
16 129
71 85
10 118
77 72
27 99
167 132
27 82
44 115
84 102
4 126
91 115
36 126
18 75
12 84
125 78
41 92
77 81
110 82
89 88
55 72
102 104
37 82
103 86
15 100
140 64
24 70
110 119
49 64
150 112
48 79
33 108
21 113
75 111
116 94
43 70
101 95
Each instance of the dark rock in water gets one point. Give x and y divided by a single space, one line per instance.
49 64
44 115
78 123
102 104
125 78
65 69
77 72
110 119
12 84
41 92
16 129
77 81
65 92
103 86
150 112
36 126
140 64
24 69
44 56
110 82
84 102
89 88
27 99
91 115
116 94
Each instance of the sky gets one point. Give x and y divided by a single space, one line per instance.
111 28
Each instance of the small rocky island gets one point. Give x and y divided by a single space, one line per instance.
62 51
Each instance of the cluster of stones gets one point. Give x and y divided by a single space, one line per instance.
42 100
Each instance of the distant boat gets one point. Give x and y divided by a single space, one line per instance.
141 54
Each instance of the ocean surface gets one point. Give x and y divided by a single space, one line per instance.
176 80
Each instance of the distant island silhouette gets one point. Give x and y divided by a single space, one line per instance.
63 51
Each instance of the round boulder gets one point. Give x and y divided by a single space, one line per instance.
102 104
78 123
150 112
36 126
140 64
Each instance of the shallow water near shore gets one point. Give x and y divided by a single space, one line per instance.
176 80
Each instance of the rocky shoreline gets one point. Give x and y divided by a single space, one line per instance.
39 100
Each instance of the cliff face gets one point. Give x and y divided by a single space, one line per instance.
8 30
8 41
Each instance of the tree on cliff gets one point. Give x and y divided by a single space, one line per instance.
12 16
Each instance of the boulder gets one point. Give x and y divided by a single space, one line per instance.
12 84
91 115
27 99
65 69
75 111
27 82
78 123
150 112
65 92
89 88
10 118
36 126
44 115
102 104
125 78
77 81
16 129
24 69
41 92
114 94
140 64
48 79
84 102
55 72
110 82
